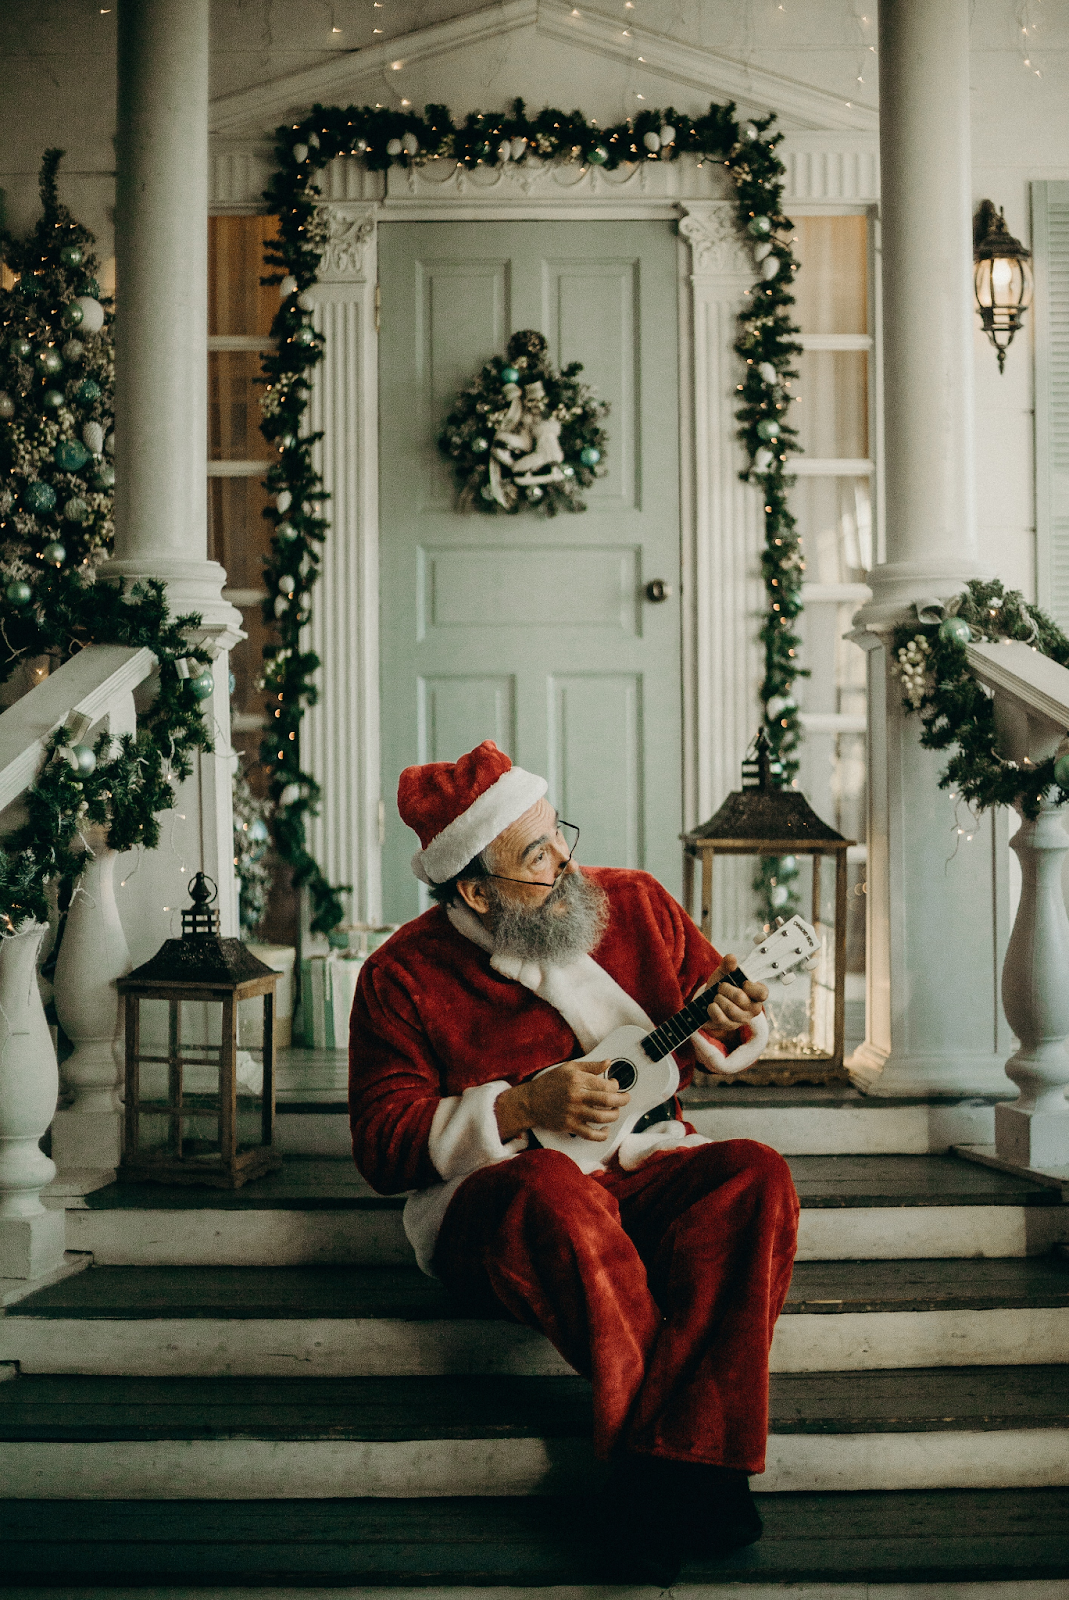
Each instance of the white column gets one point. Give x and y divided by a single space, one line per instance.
340 734
937 926
161 243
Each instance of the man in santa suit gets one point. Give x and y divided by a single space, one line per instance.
659 1275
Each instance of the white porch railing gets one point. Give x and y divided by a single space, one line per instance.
91 693
1032 716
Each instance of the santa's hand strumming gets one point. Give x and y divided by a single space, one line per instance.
659 1276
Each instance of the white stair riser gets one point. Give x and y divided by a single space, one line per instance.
376 1238
242 1469
886 1129
383 1347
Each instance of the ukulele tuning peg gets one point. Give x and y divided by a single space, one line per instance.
758 938
788 977
778 923
812 964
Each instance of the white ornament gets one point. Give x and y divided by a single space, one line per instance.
763 459
287 583
284 501
762 250
769 267
394 147
305 301
410 144
504 151
93 438
290 794
668 134
517 148
73 351
313 140
288 286
281 605
767 372
109 444
300 152
652 141
750 131
92 313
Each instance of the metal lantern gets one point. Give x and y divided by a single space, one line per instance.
797 863
201 1141
1003 278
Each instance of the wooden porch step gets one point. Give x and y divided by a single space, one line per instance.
950 1536
187 1438
393 1321
321 1212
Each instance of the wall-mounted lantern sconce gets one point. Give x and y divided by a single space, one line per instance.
1003 278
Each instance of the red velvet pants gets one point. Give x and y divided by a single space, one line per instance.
662 1285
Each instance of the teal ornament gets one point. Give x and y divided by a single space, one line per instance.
768 428
52 399
90 287
598 156
590 455
955 630
19 593
40 498
73 315
86 757
759 227
258 831
569 472
1061 770
231 683
202 685
75 509
70 455
87 391
304 336
7 405
71 255
510 374
21 348
534 492
480 446
287 532
29 286
104 476
54 552
48 360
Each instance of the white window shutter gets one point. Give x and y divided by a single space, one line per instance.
1050 242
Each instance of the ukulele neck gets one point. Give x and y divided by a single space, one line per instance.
678 1029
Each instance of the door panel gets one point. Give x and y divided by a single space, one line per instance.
533 631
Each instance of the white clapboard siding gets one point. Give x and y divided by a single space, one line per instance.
1050 233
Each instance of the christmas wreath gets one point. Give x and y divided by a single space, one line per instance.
956 710
524 434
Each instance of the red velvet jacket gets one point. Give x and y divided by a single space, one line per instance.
432 1018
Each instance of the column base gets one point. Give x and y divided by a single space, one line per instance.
881 1074
1032 1138
87 1139
32 1246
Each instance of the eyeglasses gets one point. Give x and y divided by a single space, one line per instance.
569 833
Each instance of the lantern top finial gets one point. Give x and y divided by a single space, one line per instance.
200 918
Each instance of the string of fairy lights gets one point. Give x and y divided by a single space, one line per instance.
397 136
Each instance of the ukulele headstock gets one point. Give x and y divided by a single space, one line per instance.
781 951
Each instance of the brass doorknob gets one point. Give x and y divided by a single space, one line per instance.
657 590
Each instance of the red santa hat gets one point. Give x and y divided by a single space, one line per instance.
459 807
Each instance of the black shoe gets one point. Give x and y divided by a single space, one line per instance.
644 1521
723 1516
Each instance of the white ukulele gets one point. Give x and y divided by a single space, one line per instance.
642 1064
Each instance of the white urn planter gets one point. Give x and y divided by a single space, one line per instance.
31 1237
87 1134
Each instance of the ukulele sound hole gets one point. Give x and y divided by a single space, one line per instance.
623 1075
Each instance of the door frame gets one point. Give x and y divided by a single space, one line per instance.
721 520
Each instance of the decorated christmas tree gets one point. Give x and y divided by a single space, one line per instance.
56 410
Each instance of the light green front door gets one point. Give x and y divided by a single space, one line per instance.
535 632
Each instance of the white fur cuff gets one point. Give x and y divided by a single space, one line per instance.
464 1134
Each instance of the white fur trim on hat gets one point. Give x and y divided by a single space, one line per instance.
488 815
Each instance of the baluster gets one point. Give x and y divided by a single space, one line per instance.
31 1237
1034 1130
87 1135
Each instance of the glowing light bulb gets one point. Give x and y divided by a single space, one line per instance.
1001 273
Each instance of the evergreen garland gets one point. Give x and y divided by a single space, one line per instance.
524 377
381 138
957 711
